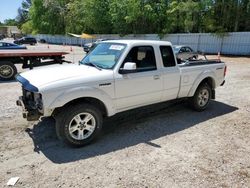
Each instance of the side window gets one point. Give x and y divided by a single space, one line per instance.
182 50
188 49
144 58
167 56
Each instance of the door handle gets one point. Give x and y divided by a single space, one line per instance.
156 77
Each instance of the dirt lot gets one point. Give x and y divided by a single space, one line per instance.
166 145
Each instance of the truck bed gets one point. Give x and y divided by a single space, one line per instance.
199 62
30 53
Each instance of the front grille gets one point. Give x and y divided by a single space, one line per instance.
28 99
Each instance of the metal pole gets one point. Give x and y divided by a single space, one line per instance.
198 44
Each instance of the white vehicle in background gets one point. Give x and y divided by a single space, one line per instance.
116 76
185 52
89 46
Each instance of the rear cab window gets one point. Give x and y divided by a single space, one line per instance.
167 56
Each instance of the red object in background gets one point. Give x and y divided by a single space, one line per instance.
30 53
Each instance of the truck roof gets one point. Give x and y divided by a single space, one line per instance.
141 42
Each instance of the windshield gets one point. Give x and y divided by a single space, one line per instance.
104 55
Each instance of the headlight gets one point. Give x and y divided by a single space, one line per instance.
38 100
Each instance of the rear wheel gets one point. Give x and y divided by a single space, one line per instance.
78 125
7 71
201 98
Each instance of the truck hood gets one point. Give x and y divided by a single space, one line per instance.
41 77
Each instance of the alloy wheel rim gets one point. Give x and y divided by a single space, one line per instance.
203 97
82 126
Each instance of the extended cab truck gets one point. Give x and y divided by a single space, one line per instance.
116 76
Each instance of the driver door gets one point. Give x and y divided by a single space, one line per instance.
142 87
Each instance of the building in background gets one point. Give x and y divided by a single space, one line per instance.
10 31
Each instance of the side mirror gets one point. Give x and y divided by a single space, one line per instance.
129 67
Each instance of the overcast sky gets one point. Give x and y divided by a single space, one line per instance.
8 8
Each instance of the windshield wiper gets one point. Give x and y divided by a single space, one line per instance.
93 65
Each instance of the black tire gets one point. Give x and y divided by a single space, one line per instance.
42 41
199 103
65 119
8 71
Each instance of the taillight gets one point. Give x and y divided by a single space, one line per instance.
225 70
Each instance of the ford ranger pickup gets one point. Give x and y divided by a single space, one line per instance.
117 75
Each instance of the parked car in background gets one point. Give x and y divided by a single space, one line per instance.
185 52
42 41
11 46
26 40
89 46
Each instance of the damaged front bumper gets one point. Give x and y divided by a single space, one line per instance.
29 114
31 101
19 102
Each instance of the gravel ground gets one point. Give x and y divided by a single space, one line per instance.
164 145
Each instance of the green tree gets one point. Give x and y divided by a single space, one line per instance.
27 28
135 16
75 18
98 19
118 12
10 22
48 16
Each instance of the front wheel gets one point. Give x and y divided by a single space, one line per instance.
7 71
78 125
201 98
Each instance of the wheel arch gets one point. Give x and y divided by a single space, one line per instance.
89 100
205 79
58 99
208 80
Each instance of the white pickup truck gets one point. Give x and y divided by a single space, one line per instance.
115 76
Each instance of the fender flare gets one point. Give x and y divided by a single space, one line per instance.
199 79
84 92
